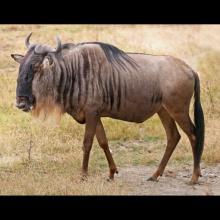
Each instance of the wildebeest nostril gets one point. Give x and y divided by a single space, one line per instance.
21 105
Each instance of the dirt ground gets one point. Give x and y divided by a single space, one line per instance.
174 181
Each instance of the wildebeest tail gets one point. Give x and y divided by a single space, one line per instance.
198 121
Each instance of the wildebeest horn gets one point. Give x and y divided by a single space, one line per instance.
27 43
41 49
58 44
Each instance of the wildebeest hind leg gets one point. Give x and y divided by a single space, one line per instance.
103 142
186 124
173 138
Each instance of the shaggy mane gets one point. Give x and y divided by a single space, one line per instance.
114 55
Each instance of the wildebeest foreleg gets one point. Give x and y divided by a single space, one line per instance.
90 129
173 138
103 142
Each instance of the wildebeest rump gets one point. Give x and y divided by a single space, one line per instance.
93 80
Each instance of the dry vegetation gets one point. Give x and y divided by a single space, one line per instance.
37 158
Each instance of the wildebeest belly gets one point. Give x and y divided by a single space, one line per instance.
134 111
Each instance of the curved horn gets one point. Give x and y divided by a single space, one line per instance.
59 45
41 49
27 43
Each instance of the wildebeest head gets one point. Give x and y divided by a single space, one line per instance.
33 63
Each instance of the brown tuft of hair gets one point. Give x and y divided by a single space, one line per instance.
46 109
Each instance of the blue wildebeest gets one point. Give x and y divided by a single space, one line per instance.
93 80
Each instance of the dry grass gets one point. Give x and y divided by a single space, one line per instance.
37 158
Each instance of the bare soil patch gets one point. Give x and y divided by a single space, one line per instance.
174 181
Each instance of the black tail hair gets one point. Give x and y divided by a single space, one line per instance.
198 121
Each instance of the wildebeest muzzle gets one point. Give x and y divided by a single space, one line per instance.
24 97
25 103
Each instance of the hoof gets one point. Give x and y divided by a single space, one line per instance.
110 179
113 171
194 179
193 182
111 174
84 178
152 178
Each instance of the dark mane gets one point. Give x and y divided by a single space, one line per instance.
68 46
114 55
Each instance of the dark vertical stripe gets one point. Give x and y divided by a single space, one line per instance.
63 84
119 92
152 98
100 82
113 77
59 88
73 71
54 79
125 88
67 85
79 80
106 88
86 72
111 93
70 90
121 64
93 64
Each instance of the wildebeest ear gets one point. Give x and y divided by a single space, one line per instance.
17 57
47 62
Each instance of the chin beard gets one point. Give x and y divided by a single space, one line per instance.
47 108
